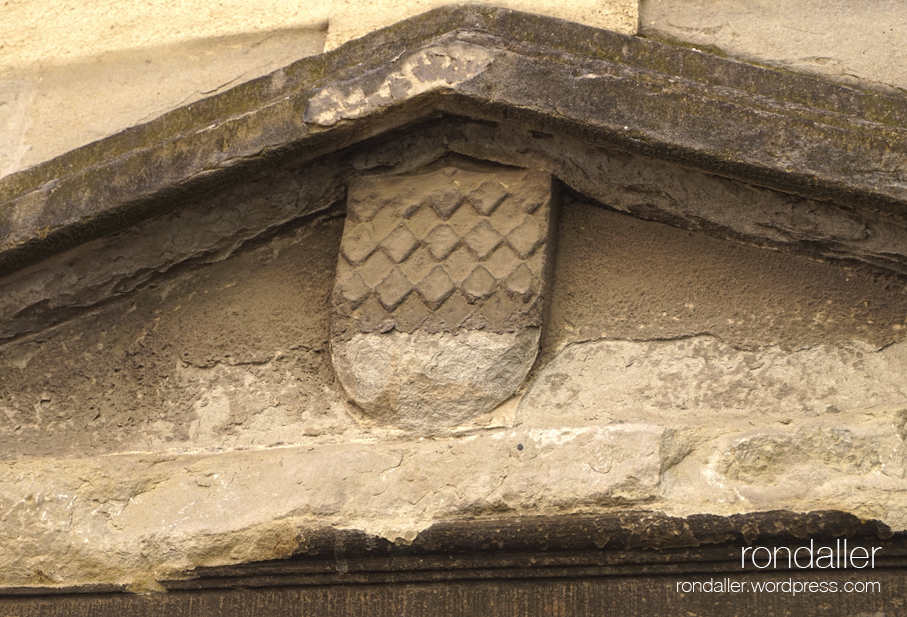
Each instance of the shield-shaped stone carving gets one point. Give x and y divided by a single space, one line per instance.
440 290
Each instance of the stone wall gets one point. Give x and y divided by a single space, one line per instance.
699 343
196 413
857 44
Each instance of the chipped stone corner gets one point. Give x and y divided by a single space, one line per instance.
430 69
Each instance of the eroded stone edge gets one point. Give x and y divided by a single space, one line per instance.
139 518
423 381
256 130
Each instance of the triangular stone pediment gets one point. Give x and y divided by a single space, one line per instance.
481 263
557 98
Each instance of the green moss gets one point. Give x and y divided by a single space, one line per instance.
674 42
170 149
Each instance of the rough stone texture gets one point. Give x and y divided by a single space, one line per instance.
700 381
44 112
861 44
141 60
855 459
445 250
224 434
48 292
135 519
701 202
657 282
423 381
83 386
602 428
440 291
814 139
209 231
212 357
429 70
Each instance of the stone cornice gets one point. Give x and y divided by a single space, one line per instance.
795 134
633 543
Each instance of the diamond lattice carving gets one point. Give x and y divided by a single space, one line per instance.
458 239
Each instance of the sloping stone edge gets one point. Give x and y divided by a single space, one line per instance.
788 132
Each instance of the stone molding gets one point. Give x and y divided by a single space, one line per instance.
799 135
634 543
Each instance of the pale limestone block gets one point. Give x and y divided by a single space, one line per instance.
424 380
854 42
701 380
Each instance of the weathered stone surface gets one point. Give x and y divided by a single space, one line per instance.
691 426
839 144
44 113
701 202
440 292
442 251
855 459
147 517
700 381
213 228
214 357
755 440
139 518
856 44
660 282
432 69
427 381
45 71
230 350
210 231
